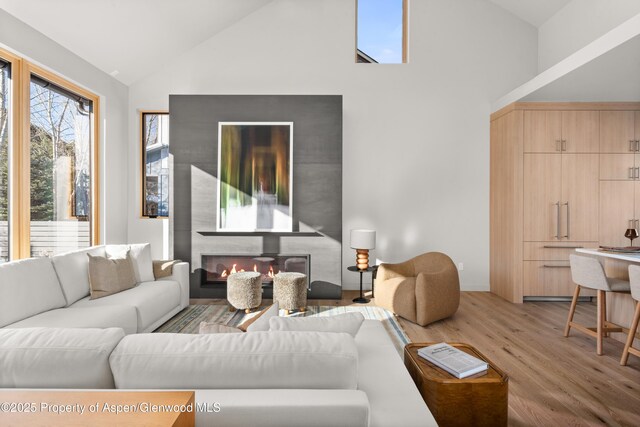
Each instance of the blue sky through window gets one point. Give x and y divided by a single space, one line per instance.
380 30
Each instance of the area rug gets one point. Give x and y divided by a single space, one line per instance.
188 320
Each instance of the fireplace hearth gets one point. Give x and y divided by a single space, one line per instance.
217 268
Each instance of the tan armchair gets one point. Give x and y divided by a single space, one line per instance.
423 290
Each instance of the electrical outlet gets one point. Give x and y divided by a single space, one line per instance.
460 266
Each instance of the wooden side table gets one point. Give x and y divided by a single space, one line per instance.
478 400
96 408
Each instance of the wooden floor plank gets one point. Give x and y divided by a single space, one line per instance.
553 380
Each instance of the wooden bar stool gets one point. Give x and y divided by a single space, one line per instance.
587 272
634 279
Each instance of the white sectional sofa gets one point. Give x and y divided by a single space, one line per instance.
54 337
54 292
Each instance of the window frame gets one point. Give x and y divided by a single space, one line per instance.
405 33
143 164
19 154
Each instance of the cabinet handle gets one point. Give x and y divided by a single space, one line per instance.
556 266
557 220
558 145
636 172
632 145
563 145
562 247
567 205
637 144
631 173
631 223
636 223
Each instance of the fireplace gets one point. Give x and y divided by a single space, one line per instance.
217 268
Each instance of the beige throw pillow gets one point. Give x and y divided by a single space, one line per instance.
109 276
216 328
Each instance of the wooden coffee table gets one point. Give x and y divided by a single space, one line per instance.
62 408
478 400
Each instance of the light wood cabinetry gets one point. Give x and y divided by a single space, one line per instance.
561 131
563 175
617 132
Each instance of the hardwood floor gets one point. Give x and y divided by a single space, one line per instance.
553 380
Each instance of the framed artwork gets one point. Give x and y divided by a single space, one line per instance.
255 176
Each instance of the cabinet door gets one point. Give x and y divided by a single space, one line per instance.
616 210
547 278
616 131
542 193
580 187
618 166
581 131
542 131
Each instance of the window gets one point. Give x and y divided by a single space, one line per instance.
382 31
155 167
48 162
60 165
5 101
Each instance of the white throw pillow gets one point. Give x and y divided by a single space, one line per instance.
262 323
217 328
140 254
347 322
57 357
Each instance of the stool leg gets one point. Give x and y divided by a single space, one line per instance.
247 310
600 311
303 309
286 312
632 335
604 314
572 310
232 308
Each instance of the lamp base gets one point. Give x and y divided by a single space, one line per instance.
361 300
362 259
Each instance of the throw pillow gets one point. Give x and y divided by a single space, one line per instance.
163 268
347 322
260 322
109 276
140 257
216 328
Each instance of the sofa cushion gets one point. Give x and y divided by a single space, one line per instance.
57 358
152 301
108 316
140 257
72 269
346 322
108 276
289 360
27 288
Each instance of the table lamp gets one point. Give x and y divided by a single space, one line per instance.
362 241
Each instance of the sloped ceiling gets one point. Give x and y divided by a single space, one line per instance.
535 12
129 38
614 76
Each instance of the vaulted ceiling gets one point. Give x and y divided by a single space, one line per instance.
130 38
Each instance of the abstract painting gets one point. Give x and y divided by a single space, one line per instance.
255 185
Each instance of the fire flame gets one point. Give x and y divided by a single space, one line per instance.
270 273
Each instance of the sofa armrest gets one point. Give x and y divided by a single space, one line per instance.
181 275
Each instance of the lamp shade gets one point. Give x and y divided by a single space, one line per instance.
363 239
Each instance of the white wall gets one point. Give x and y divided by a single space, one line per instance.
416 136
18 37
578 24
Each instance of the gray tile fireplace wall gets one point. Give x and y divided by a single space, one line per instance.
317 183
